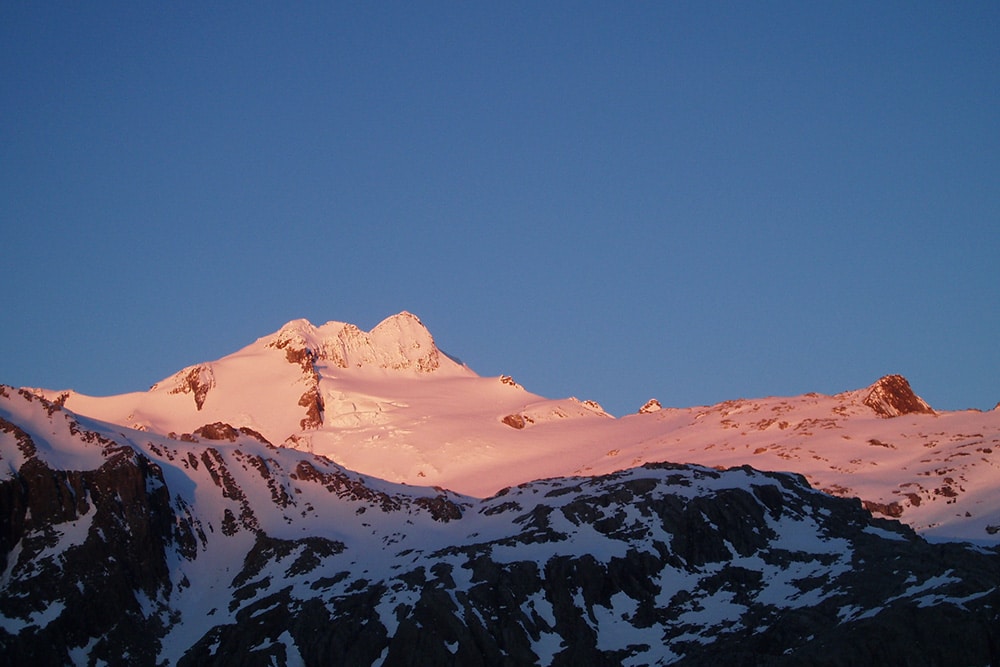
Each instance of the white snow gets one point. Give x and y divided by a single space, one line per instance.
615 632
396 408
884 534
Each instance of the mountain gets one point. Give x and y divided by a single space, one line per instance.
146 529
133 548
388 403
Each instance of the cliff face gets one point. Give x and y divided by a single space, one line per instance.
86 560
218 548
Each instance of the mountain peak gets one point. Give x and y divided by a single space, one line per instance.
652 405
892 396
400 342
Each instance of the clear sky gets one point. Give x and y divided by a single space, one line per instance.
616 201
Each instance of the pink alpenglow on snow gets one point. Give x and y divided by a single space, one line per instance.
388 403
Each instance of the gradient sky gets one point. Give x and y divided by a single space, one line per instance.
616 201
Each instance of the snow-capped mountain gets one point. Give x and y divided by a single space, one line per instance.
389 404
332 496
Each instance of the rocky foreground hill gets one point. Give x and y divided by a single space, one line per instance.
214 546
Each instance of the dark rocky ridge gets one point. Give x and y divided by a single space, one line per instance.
464 606
112 582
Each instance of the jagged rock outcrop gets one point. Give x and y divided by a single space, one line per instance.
312 401
893 509
652 405
196 380
892 396
218 431
86 558
517 421
400 343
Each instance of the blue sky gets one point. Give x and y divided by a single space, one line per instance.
693 201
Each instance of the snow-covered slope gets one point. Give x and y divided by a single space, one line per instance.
121 546
385 402
389 404
936 471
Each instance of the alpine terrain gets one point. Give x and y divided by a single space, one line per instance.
327 495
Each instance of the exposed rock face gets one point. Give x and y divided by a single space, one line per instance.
197 381
517 421
86 560
218 431
892 396
893 509
312 401
652 405
299 352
